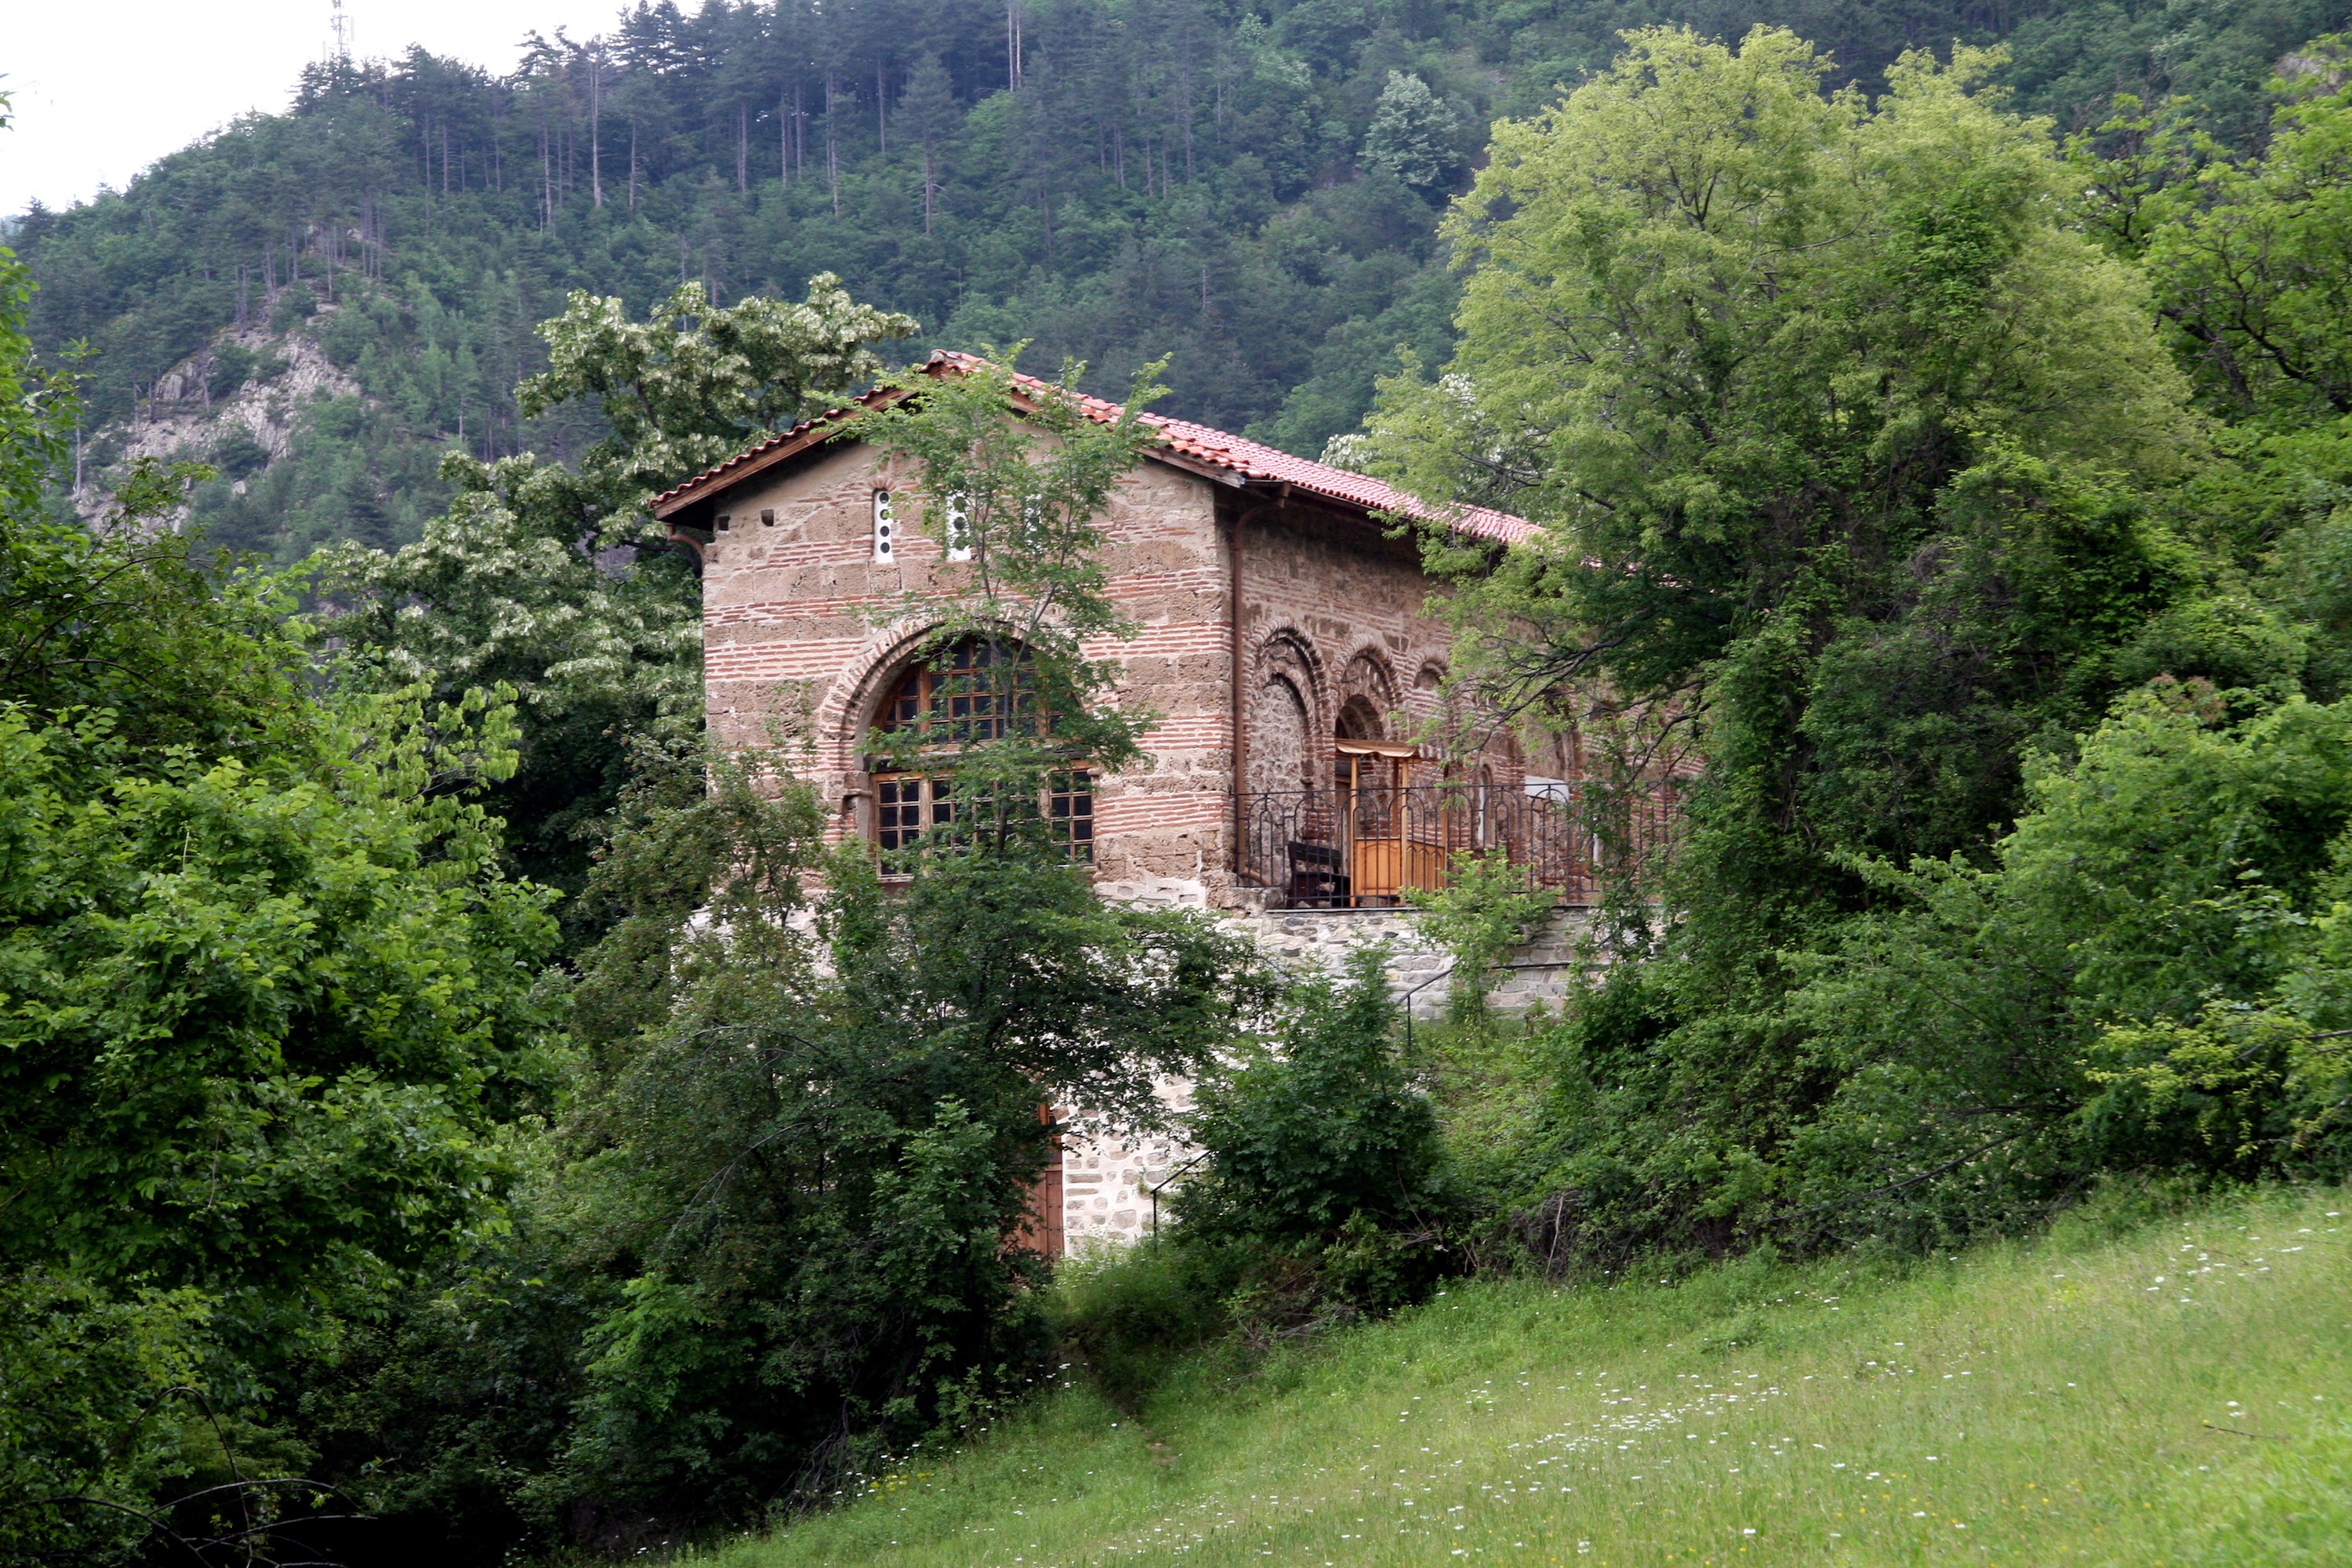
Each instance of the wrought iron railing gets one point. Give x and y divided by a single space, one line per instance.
1365 847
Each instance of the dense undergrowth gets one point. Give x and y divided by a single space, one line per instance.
2159 1379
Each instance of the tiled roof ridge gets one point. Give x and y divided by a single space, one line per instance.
1202 443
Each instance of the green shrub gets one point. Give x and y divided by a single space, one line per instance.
1487 907
238 456
1325 1166
1318 1127
296 304
233 364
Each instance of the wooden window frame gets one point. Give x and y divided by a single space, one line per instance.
911 801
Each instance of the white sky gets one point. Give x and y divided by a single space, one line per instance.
104 87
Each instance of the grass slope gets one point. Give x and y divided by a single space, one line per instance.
2180 1393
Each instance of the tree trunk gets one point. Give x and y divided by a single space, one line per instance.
1184 104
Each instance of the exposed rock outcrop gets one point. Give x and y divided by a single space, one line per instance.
178 421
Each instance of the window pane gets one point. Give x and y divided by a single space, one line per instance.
1070 808
898 807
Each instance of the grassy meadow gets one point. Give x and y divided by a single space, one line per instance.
2174 1389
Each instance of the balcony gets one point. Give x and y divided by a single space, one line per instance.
1366 846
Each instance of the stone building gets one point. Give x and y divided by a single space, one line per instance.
1284 637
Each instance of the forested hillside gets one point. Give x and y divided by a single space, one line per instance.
1251 190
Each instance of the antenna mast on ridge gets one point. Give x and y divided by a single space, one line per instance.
340 25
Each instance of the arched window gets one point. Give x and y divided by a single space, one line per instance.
971 691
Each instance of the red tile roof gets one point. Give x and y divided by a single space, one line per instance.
1251 460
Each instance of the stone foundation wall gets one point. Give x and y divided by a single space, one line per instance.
1418 967
1105 1183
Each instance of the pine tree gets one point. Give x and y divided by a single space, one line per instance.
1412 132
929 109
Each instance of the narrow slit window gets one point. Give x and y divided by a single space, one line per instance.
958 530
886 528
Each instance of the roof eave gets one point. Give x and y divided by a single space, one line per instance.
718 481
707 490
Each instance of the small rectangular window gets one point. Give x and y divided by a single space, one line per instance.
906 804
886 528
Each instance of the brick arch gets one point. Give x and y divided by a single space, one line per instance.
1288 694
1368 684
848 707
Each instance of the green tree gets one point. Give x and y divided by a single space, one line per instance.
1734 342
930 111
1411 133
1846 449
2249 254
272 1006
551 578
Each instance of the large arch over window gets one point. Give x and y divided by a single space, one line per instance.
968 691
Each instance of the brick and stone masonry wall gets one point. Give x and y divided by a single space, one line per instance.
798 614
800 622
1309 939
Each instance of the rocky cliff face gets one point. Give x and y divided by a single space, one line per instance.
190 416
